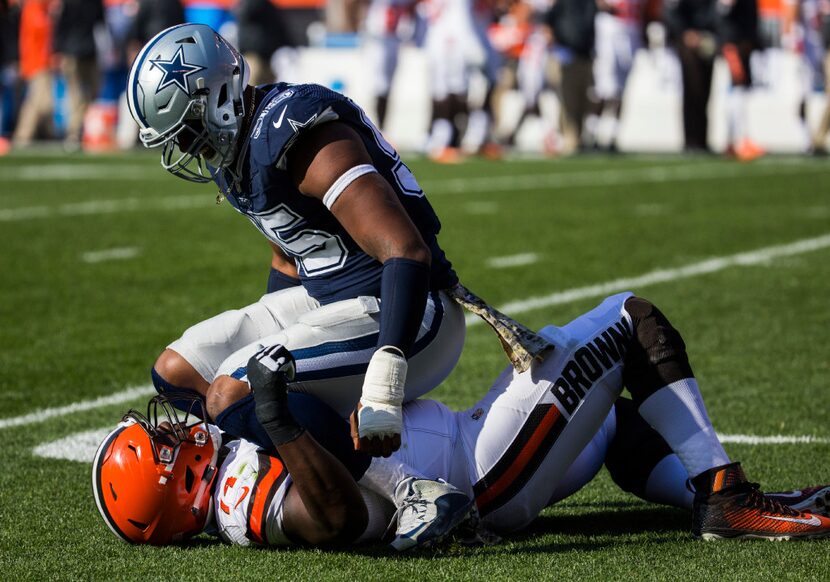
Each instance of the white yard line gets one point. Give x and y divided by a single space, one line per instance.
519 260
45 414
611 178
706 267
95 207
507 184
659 276
117 254
749 439
81 446
481 207
43 172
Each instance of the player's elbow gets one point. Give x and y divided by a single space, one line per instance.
343 522
415 250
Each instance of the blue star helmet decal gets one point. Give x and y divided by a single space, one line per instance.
176 71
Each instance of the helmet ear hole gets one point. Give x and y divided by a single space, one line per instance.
189 478
223 95
138 524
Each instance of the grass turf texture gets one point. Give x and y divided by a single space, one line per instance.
757 337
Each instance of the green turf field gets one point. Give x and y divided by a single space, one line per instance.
106 259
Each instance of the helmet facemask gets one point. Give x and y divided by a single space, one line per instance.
168 431
196 141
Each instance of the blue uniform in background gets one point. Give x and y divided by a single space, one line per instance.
332 267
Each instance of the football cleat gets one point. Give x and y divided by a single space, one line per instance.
728 506
815 500
427 511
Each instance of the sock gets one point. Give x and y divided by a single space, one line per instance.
441 135
668 484
478 127
385 474
677 412
168 389
591 128
612 129
737 115
717 479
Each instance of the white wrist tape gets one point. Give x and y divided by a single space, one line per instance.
383 392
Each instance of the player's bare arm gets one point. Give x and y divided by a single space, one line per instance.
373 216
324 505
280 262
368 208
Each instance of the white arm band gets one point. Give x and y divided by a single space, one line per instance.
343 182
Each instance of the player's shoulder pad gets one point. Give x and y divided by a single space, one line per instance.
289 111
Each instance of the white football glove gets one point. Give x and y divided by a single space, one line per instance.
383 388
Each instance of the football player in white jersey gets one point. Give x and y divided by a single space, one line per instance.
387 24
619 35
534 438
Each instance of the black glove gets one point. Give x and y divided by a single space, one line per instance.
269 371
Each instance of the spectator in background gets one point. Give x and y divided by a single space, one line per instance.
523 43
153 16
386 24
738 37
260 35
451 45
691 25
619 35
9 62
35 118
75 52
479 135
572 23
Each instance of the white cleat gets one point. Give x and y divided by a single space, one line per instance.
427 511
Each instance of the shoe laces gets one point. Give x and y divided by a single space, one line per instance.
755 499
414 507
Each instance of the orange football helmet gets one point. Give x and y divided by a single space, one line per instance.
152 476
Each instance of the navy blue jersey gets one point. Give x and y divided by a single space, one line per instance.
331 265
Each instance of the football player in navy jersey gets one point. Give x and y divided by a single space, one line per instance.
345 217
358 283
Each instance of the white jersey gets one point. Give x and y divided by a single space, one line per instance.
618 38
250 494
533 439
536 436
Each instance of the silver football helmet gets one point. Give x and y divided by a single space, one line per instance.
185 92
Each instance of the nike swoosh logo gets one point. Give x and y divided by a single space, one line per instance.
278 122
812 521
242 497
789 494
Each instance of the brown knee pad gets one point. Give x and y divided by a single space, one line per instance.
657 355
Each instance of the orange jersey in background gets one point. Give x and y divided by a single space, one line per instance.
35 38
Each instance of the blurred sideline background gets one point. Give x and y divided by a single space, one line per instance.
453 78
